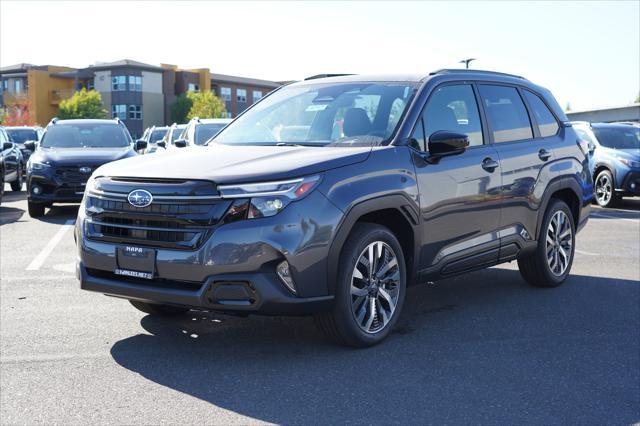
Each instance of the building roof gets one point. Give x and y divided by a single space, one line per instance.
243 80
125 63
634 105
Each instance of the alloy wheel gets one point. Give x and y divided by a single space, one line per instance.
604 189
559 243
375 287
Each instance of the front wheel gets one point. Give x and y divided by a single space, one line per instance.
157 309
550 264
35 209
370 291
16 185
604 189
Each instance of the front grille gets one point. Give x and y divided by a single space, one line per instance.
176 221
71 174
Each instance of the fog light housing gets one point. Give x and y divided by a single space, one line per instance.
36 190
633 185
284 273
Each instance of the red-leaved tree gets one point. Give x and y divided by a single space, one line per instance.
17 113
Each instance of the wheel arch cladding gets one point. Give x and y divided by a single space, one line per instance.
396 213
607 167
567 190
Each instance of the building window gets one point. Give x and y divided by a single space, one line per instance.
17 85
90 84
135 83
135 112
193 87
119 111
5 85
225 93
241 95
118 83
257 95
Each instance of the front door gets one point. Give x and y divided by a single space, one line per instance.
459 194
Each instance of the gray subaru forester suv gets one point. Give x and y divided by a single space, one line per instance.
330 196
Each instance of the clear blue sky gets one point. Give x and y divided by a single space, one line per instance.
587 53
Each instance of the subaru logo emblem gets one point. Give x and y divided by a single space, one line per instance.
140 198
85 170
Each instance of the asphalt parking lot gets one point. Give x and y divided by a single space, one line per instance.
481 348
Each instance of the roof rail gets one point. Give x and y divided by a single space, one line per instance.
54 120
313 77
463 70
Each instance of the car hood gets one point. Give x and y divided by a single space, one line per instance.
236 164
80 156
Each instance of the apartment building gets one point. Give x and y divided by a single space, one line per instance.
139 94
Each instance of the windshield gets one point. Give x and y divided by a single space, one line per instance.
22 135
157 134
618 137
322 114
204 132
85 135
176 133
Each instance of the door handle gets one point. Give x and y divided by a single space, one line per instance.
544 155
489 164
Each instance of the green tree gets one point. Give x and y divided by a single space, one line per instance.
83 104
180 109
205 105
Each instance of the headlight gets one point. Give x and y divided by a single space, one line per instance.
629 163
36 165
266 199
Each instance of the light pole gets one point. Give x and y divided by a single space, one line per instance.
466 62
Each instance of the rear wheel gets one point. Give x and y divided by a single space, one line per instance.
35 209
605 194
371 287
158 309
550 264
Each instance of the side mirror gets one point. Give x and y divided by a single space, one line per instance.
7 145
140 145
30 145
444 142
180 143
161 143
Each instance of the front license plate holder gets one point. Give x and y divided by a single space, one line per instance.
138 262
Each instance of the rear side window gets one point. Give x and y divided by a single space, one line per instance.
506 113
452 108
547 124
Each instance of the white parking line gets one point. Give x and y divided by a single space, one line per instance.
37 261
586 253
626 219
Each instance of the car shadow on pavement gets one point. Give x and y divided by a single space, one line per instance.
10 215
481 348
60 213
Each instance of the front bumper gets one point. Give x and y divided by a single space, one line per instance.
54 188
234 270
630 184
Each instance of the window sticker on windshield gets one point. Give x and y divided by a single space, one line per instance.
316 107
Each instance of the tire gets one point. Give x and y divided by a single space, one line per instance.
158 309
604 192
35 209
16 185
352 321
536 268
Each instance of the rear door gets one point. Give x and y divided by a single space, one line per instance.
459 194
524 139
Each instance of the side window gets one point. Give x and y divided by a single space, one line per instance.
417 138
506 113
547 124
453 108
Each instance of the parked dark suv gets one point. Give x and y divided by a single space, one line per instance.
332 195
69 152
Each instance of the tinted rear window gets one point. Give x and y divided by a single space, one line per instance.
506 113
547 124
